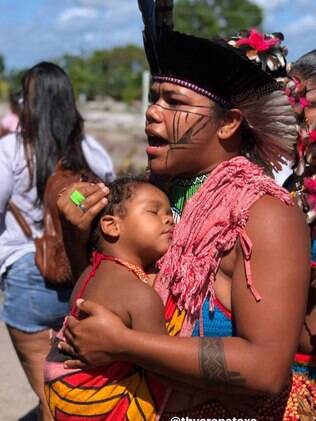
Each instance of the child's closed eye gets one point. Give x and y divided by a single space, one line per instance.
154 211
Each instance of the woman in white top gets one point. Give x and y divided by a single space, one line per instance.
51 130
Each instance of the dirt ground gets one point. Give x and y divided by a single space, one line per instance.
122 134
17 400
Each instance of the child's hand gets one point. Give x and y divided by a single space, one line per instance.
95 340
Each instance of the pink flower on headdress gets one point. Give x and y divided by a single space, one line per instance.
300 149
310 184
312 136
305 139
304 102
257 41
296 92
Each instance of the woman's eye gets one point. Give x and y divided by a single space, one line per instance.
152 211
174 102
152 98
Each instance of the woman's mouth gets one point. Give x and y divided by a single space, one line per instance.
156 145
157 142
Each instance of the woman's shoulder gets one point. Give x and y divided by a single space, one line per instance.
9 143
12 152
272 219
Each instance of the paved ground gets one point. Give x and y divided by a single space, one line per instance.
17 400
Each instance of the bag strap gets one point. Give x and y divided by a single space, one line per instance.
20 219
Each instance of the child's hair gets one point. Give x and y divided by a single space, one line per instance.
121 190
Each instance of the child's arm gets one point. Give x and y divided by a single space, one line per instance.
136 303
146 310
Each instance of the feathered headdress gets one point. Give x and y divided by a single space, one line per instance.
264 49
202 65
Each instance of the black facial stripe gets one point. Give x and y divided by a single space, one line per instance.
174 134
184 111
178 127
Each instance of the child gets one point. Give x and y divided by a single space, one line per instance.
128 236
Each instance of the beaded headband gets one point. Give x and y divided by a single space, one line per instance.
194 88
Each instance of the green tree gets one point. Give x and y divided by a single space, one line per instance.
81 74
14 78
206 18
2 66
118 72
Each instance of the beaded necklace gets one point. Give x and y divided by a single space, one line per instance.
181 190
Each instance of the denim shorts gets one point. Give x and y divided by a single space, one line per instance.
31 304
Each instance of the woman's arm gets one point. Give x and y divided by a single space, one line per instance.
76 223
258 359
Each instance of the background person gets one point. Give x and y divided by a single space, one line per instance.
302 94
51 130
10 122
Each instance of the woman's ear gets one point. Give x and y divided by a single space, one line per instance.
110 226
230 124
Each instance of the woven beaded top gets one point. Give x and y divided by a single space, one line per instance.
181 190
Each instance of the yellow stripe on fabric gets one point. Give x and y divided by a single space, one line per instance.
176 322
143 401
75 408
97 402
75 394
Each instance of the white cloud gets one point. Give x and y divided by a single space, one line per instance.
270 5
89 37
91 3
301 26
76 13
52 28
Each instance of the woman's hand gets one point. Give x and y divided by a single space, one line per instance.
95 201
76 221
95 340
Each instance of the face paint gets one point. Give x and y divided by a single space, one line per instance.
178 121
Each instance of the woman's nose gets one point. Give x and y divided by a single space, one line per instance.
154 114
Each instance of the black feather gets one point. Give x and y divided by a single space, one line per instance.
148 11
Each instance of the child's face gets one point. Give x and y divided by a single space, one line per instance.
146 226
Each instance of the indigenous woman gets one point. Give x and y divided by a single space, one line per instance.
234 295
302 95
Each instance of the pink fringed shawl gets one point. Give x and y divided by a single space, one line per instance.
211 223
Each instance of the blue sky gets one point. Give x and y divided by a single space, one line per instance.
34 30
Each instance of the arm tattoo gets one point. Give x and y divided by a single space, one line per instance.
213 364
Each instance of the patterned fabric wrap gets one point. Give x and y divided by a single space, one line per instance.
211 223
117 392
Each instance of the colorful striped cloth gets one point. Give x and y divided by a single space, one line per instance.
117 392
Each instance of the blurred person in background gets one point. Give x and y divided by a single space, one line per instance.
301 90
9 123
51 130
